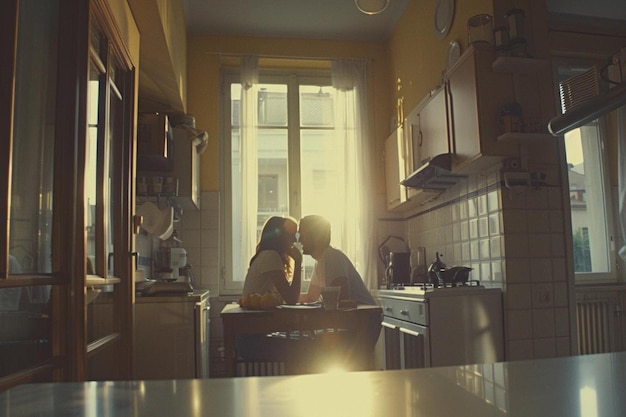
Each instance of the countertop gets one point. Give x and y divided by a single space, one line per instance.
419 293
590 385
196 296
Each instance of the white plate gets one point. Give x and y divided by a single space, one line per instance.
444 14
299 306
454 52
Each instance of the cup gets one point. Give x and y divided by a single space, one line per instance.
330 298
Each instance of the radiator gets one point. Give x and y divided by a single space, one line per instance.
595 323
260 368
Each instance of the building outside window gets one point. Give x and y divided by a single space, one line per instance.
301 159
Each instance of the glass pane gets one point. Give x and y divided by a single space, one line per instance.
322 161
25 338
316 106
272 105
587 200
273 167
91 169
33 138
114 136
100 312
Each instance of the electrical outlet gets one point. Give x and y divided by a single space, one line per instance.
542 295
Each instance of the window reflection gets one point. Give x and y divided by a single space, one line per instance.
33 138
25 338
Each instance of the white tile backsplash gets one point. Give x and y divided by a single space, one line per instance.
512 239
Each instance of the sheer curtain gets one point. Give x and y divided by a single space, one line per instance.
349 77
248 165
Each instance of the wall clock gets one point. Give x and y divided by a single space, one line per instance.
444 14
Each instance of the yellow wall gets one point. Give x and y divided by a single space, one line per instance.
418 57
203 65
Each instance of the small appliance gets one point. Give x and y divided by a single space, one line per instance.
398 269
170 261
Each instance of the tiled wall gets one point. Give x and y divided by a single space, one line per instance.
199 231
513 239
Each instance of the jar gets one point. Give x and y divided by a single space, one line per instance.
515 20
501 39
480 29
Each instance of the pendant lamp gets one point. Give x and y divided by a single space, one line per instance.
371 6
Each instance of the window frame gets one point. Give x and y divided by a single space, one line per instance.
293 78
610 276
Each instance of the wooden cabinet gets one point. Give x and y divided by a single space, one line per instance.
171 336
476 96
395 168
433 128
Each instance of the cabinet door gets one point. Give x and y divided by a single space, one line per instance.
476 96
433 122
395 169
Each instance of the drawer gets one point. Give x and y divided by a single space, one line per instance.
407 310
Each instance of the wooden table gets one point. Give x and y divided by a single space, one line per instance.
238 321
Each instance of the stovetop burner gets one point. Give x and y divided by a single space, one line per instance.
430 286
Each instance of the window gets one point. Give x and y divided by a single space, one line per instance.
301 158
590 202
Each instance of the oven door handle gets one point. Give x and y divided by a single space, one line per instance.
411 332
388 325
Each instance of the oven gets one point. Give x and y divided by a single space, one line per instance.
426 327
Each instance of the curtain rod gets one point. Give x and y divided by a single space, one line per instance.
275 56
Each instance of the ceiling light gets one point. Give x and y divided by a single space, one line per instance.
371 6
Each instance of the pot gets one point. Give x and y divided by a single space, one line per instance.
456 275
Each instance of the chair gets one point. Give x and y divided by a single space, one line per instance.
342 282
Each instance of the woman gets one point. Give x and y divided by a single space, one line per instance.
277 264
271 269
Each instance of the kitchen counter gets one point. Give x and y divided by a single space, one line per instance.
196 296
419 293
588 385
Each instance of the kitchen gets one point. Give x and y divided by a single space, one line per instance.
530 302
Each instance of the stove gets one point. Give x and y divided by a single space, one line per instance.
445 325
429 286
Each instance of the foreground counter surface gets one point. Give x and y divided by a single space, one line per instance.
589 385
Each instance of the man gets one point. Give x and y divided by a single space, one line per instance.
332 267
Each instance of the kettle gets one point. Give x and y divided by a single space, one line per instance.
454 276
435 271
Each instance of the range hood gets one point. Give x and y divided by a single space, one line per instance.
435 174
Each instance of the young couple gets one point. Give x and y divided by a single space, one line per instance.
277 263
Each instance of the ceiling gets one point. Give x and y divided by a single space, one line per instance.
308 19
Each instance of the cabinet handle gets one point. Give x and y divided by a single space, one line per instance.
451 136
404 312
410 332
388 309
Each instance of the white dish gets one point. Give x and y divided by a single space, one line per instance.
303 306
444 14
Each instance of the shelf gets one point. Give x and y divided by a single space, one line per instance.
518 65
94 281
515 137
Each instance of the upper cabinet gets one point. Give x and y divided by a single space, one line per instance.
395 168
477 98
477 118
163 69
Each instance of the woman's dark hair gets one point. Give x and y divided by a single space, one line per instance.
275 236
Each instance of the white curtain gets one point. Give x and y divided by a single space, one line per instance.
349 77
248 164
